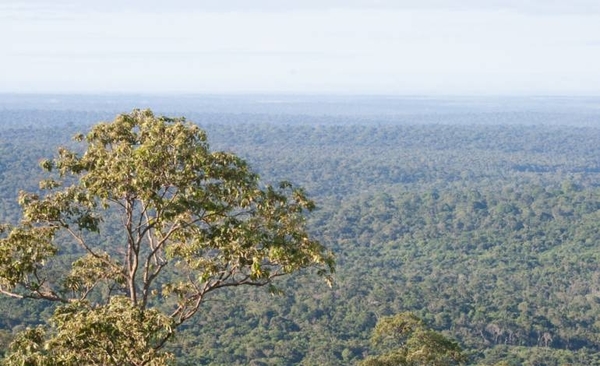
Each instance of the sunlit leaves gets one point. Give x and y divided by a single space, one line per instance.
22 252
90 270
407 341
114 334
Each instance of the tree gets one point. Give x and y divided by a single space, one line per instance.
154 222
412 343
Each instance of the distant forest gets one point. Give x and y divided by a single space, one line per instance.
481 216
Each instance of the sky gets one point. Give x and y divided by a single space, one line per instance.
385 47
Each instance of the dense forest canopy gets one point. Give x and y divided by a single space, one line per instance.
479 216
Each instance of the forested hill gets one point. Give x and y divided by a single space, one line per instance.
481 216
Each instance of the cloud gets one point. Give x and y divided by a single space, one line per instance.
519 6
158 6
351 45
36 10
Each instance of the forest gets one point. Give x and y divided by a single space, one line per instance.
480 217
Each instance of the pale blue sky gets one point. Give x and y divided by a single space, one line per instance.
423 47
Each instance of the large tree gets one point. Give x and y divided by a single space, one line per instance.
151 222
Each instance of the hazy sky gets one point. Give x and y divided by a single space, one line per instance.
464 47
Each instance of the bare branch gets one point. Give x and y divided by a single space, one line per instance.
11 294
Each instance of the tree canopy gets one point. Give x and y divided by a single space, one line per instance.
408 341
188 221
